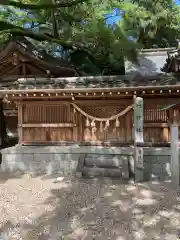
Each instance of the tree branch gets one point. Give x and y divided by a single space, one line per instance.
18 31
40 6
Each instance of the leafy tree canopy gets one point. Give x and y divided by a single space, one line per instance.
152 23
78 29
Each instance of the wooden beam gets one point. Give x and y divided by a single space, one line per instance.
35 70
108 89
129 126
24 68
54 97
4 65
98 143
64 95
6 59
48 125
7 70
14 69
156 125
84 103
20 121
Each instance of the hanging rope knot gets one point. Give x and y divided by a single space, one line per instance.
87 123
93 124
107 123
94 129
101 127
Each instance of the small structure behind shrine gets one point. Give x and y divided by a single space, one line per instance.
20 58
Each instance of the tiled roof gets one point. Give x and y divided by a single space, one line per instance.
146 73
57 66
91 82
172 63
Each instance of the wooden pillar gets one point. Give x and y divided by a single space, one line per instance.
129 127
138 138
73 113
20 122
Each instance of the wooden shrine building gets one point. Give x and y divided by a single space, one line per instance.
99 110
88 109
67 123
21 59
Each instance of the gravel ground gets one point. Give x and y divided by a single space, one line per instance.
87 209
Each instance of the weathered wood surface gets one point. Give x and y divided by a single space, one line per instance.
20 121
48 125
41 114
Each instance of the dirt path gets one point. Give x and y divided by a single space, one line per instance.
37 208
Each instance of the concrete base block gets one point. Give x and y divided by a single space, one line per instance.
78 174
69 160
46 162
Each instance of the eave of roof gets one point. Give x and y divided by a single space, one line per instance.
55 65
153 50
76 85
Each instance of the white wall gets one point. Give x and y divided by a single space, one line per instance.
150 63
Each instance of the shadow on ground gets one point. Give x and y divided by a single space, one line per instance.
107 209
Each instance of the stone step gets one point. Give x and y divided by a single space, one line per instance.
106 161
104 172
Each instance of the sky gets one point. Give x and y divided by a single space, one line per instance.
112 18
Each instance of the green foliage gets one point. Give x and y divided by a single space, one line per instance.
34 5
78 26
152 23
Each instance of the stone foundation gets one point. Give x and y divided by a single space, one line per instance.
64 160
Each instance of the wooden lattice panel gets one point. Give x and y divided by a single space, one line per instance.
46 113
154 114
122 134
103 111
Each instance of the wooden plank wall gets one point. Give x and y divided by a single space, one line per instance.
56 121
46 121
